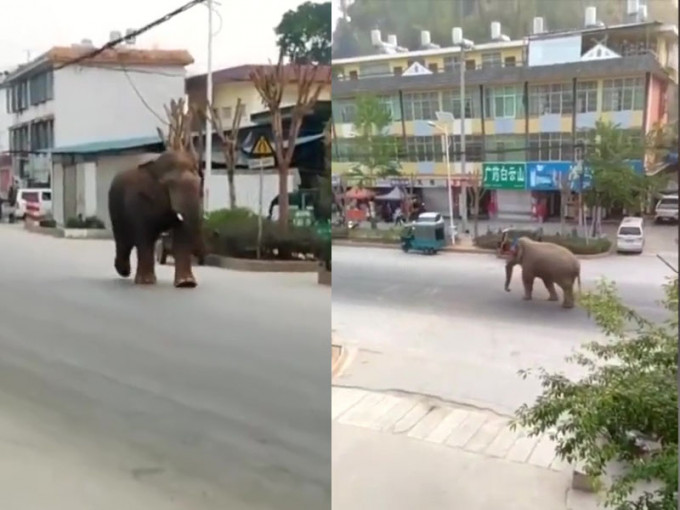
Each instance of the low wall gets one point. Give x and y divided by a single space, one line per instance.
271 266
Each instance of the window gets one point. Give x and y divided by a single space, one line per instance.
423 148
353 75
421 106
41 135
510 62
391 104
623 94
344 150
375 69
451 64
47 196
503 103
491 60
451 103
550 147
550 99
344 111
473 148
433 67
586 96
470 65
505 147
397 70
225 113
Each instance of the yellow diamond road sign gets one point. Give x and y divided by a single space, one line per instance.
262 148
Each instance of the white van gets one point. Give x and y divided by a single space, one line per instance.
43 196
630 236
666 209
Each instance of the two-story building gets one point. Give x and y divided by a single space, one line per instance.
62 99
527 104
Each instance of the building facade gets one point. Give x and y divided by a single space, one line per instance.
527 103
55 101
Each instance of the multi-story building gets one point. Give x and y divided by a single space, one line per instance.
234 83
58 101
527 102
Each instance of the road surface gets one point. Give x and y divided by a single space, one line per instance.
443 326
216 397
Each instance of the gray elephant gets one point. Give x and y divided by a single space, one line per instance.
155 197
550 262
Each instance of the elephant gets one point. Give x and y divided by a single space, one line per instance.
155 197
552 263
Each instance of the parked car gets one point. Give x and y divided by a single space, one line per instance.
43 196
630 236
666 209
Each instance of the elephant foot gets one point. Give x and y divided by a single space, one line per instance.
567 305
145 279
526 298
188 282
122 267
553 298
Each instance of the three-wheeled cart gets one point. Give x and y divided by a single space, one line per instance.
427 234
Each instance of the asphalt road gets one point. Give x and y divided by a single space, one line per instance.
218 396
442 325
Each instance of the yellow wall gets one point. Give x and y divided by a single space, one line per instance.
227 94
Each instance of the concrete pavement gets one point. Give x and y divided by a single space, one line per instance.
217 396
427 454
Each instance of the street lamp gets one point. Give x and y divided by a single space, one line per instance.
445 135
207 172
463 44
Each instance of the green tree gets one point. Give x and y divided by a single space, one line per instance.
624 411
304 34
614 183
375 152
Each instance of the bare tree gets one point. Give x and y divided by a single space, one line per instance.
477 194
230 146
271 82
179 137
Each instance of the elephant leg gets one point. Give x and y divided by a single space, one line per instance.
568 289
145 264
122 261
528 282
550 286
182 253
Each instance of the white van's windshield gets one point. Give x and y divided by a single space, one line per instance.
668 203
629 231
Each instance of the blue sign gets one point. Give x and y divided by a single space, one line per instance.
548 175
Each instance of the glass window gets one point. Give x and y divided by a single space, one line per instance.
623 94
586 96
491 60
451 64
423 148
504 102
421 105
451 103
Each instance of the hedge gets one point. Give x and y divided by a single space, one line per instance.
575 244
233 233
90 222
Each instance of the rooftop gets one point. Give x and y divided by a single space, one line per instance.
242 74
122 55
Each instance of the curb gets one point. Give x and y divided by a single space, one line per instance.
325 277
339 361
263 266
68 233
476 251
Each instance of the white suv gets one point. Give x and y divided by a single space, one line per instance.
666 209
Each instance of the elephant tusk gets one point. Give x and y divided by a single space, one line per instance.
180 217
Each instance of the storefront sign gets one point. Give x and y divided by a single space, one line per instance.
548 175
504 176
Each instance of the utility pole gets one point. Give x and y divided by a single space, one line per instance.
207 172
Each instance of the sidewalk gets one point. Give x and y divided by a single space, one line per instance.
403 452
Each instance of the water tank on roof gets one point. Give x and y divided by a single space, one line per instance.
425 38
129 38
538 25
495 30
376 39
591 16
392 39
87 43
114 35
457 35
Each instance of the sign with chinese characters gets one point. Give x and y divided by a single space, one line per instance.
548 175
504 176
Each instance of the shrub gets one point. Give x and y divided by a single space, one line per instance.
573 243
89 222
340 232
233 233
48 223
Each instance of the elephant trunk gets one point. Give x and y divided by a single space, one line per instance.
185 236
508 275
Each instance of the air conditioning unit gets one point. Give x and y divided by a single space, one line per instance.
129 37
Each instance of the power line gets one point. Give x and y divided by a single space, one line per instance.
111 44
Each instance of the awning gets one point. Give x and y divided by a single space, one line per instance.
394 194
247 144
107 145
359 194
